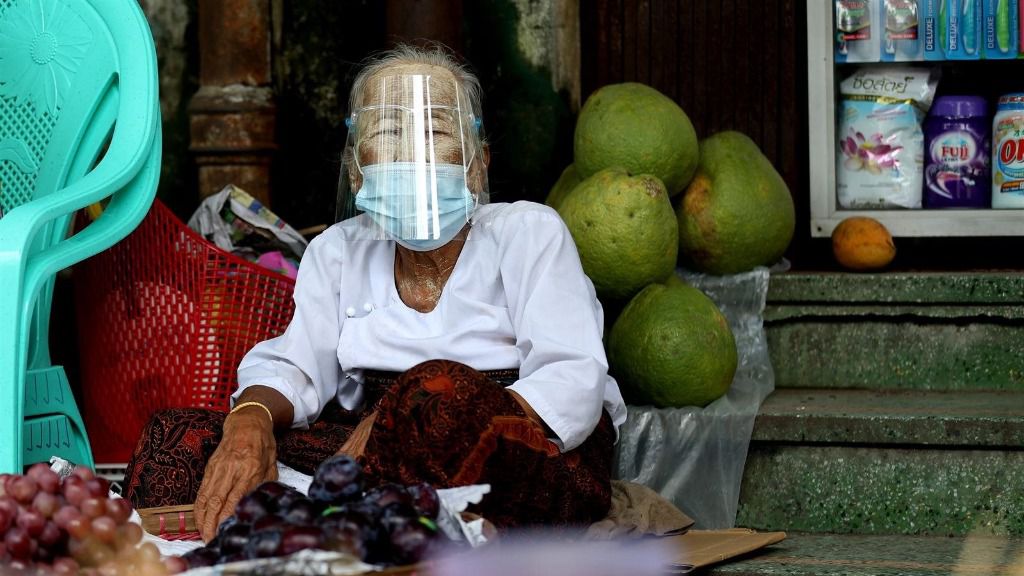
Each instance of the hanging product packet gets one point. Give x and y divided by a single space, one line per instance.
880 148
901 20
856 39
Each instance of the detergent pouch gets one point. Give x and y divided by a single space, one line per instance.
856 31
900 23
931 44
1001 29
880 148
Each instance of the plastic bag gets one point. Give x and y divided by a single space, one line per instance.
880 148
236 222
694 457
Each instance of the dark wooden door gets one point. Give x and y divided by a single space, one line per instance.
731 64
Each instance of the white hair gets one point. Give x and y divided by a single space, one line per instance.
432 55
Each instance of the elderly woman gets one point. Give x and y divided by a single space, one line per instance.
436 337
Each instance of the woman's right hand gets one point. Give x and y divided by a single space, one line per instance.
245 457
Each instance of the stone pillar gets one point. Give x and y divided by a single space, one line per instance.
233 114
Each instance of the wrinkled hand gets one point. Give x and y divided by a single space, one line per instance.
356 443
245 457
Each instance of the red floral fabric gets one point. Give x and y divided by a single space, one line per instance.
449 424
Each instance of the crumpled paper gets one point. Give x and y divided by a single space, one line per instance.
238 223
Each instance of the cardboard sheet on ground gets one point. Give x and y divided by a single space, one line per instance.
699 548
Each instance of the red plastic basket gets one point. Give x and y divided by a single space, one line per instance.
164 317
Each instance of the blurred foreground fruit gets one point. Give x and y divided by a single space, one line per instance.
672 347
389 524
74 526
861 243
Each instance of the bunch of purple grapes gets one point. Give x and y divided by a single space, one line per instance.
70 527
387 524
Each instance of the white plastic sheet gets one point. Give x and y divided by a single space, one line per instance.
694 457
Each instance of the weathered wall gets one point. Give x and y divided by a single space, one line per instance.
525 52
529 94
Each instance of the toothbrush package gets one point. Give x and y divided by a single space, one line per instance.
960 29
901 25
1001 29
930 35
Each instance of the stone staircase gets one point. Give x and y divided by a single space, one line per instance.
894 442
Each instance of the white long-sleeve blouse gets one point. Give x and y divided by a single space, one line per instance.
517 298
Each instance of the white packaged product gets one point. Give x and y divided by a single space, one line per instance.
880 148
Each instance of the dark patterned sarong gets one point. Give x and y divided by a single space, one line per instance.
439 422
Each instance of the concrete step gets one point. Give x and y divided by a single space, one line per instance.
861 555
886 462
897 330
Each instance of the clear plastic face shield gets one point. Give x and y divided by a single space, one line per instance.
414 162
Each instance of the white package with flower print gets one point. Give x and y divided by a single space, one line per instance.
880 152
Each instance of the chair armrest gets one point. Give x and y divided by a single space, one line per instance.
128 206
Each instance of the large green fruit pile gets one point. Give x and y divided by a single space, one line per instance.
640 129
634 150
625 231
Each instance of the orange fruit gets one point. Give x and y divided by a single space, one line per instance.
861 243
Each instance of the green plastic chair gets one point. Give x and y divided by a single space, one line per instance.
79 124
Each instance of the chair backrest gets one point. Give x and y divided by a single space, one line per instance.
79 124
70 72
64 65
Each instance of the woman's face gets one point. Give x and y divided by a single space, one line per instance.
387 130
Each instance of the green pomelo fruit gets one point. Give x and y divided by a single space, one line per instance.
737 213
671 347
624 229
638 128
566 183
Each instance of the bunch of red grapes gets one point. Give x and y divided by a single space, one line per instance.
71 527
387 524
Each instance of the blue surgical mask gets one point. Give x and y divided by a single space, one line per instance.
388 196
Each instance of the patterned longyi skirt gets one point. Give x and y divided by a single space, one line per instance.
440 422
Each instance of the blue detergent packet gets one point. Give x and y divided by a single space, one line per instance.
930 36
